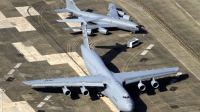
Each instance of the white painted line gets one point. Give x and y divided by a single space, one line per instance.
17 65
186 12
11 71
47 97
172 81
41 104
124 35
144 52
150 46
110 104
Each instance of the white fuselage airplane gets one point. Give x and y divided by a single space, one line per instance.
111 20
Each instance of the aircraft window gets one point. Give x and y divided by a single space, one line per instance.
126 97
135 42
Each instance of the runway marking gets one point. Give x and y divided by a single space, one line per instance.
70 24
47 97
11 71
18 65
20 23
32 55
124 35
144 52
186 12
23 11
41 104
150 46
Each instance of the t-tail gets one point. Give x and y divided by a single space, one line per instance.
84 33
70 7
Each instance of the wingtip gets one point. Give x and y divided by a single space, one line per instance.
27 82
66 28
59 20
56 10
176 69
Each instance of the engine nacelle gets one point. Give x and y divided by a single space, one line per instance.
121 13
154 83
66 91
141 86
103 31
89 31
126 17
84 91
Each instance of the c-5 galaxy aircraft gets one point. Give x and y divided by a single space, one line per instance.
105 81
114 18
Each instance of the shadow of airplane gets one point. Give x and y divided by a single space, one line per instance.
89 10
114 52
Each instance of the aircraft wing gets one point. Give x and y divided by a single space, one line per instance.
62 10
136 76
80 19
92 81
92 26
112 11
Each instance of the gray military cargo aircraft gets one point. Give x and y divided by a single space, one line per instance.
114 18
105 81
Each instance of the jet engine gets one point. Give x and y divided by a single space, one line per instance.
154 83
103 30
121 13
66 91
141 86
89 31
126 17
84 91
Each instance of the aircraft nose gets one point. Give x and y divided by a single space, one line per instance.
129 107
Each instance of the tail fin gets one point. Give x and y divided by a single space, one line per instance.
71 5
85 37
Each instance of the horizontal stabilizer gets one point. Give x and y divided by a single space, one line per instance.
62 10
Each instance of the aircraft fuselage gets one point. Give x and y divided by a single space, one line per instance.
113 90
119 23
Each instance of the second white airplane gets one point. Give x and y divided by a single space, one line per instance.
114 18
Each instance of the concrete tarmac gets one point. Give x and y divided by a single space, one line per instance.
34 46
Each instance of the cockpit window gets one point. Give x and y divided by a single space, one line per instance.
126 97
